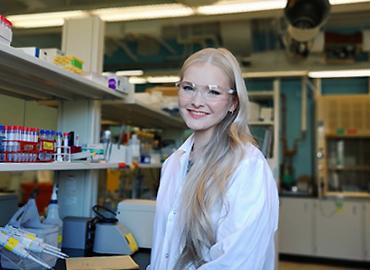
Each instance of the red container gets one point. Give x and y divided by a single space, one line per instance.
43 197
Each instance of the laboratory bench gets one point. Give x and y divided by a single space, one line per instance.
141 257
298 194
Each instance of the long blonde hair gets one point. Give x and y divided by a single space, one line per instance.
207 180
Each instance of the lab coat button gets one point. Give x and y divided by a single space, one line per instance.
166 255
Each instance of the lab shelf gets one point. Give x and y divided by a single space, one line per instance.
63 166
31 78
351 168
261 123
139 114
55 166
352 194
150 166
260 95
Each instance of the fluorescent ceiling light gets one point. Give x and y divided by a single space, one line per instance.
163 79
137 80
154 79
341 2
143 12
49 19
154 12
129 73
340 73
227 7
269 74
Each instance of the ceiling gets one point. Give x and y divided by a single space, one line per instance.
37 6
162 44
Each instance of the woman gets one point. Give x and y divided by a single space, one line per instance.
217 205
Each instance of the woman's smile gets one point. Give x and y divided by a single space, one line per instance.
196 114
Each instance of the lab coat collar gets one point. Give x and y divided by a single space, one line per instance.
187 145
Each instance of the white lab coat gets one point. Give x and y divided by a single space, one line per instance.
244 237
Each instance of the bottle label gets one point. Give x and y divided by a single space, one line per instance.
11 244
30 236
49 146
60 239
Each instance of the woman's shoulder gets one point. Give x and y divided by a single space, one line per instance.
252 152
253 170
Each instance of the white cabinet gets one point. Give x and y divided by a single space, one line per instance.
336 229
367 230
339 229
296 233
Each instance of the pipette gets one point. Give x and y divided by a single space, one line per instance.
29 235
32 242
13 245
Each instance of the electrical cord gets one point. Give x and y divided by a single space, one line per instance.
101 214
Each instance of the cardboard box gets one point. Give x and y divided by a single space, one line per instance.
48 54
33 51
101 263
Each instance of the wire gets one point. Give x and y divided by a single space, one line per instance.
100 217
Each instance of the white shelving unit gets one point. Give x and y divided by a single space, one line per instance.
139 114
274 96
80 103
79 109
30 78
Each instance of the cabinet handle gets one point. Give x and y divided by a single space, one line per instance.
320 154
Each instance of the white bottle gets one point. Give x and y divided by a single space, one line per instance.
52 217
59 156
135 148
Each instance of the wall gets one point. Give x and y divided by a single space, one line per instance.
303 161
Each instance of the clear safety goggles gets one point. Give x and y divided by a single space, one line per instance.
208 92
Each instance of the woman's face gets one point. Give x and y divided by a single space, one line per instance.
204 108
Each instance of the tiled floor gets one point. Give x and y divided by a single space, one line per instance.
298 266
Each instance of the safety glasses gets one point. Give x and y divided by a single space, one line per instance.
209 92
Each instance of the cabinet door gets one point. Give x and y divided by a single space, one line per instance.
367 230
339 230
296 226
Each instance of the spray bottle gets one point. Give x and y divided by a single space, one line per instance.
52 217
